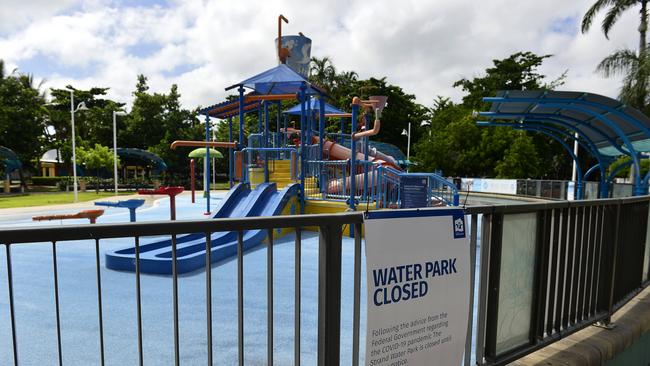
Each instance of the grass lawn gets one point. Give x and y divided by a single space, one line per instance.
220 185
45 199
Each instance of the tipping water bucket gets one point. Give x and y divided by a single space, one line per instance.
299 53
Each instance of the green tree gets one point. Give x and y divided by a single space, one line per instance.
96 158
457 146
93 126
155 121
634 66
520 159
519 71
322 72
22 118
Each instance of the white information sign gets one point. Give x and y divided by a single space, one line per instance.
418 280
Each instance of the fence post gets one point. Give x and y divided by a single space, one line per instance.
614 258
329 295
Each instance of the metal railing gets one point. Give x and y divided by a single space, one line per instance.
264 158
331 180
439 190
546 270
549 270
329 278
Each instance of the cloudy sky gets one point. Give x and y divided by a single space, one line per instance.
206 45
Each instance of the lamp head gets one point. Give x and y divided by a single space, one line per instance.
120 113
425 123
81 107
404 133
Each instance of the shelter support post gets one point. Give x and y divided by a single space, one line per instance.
231 155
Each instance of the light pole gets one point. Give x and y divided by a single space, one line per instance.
115 114
80 107
408 146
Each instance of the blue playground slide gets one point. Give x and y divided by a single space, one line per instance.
240 201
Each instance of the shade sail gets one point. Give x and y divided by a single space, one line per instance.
278 80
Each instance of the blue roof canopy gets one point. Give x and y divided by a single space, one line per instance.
314 104
612 127
278 80
229 108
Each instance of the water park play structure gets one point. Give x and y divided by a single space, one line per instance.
285 170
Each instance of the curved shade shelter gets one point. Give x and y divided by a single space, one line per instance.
157 164
604 125
9 159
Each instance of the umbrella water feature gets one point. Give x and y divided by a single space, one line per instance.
200 153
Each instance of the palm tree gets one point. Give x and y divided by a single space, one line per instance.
635 70
322 72
616 8
634 67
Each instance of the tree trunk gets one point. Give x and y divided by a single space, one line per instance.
643 27
643 77
23 184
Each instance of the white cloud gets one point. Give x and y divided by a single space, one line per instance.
423 46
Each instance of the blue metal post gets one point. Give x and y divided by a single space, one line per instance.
231 156
207 164
132 214
265 143
302 147
321 125
276 141
353 156
285 136
241 118
259 119
321 137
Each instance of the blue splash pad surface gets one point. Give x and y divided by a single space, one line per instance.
35 307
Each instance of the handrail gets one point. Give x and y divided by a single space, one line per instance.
455 198
293 152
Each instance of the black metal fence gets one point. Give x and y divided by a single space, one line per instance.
548 270
545 271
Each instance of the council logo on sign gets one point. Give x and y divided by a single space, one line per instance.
459 227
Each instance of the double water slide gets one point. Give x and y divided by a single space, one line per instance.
241 201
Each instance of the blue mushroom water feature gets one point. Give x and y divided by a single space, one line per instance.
131 204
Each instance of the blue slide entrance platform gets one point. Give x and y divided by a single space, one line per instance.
241 201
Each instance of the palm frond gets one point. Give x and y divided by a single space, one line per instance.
614 13
589 16
618 63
